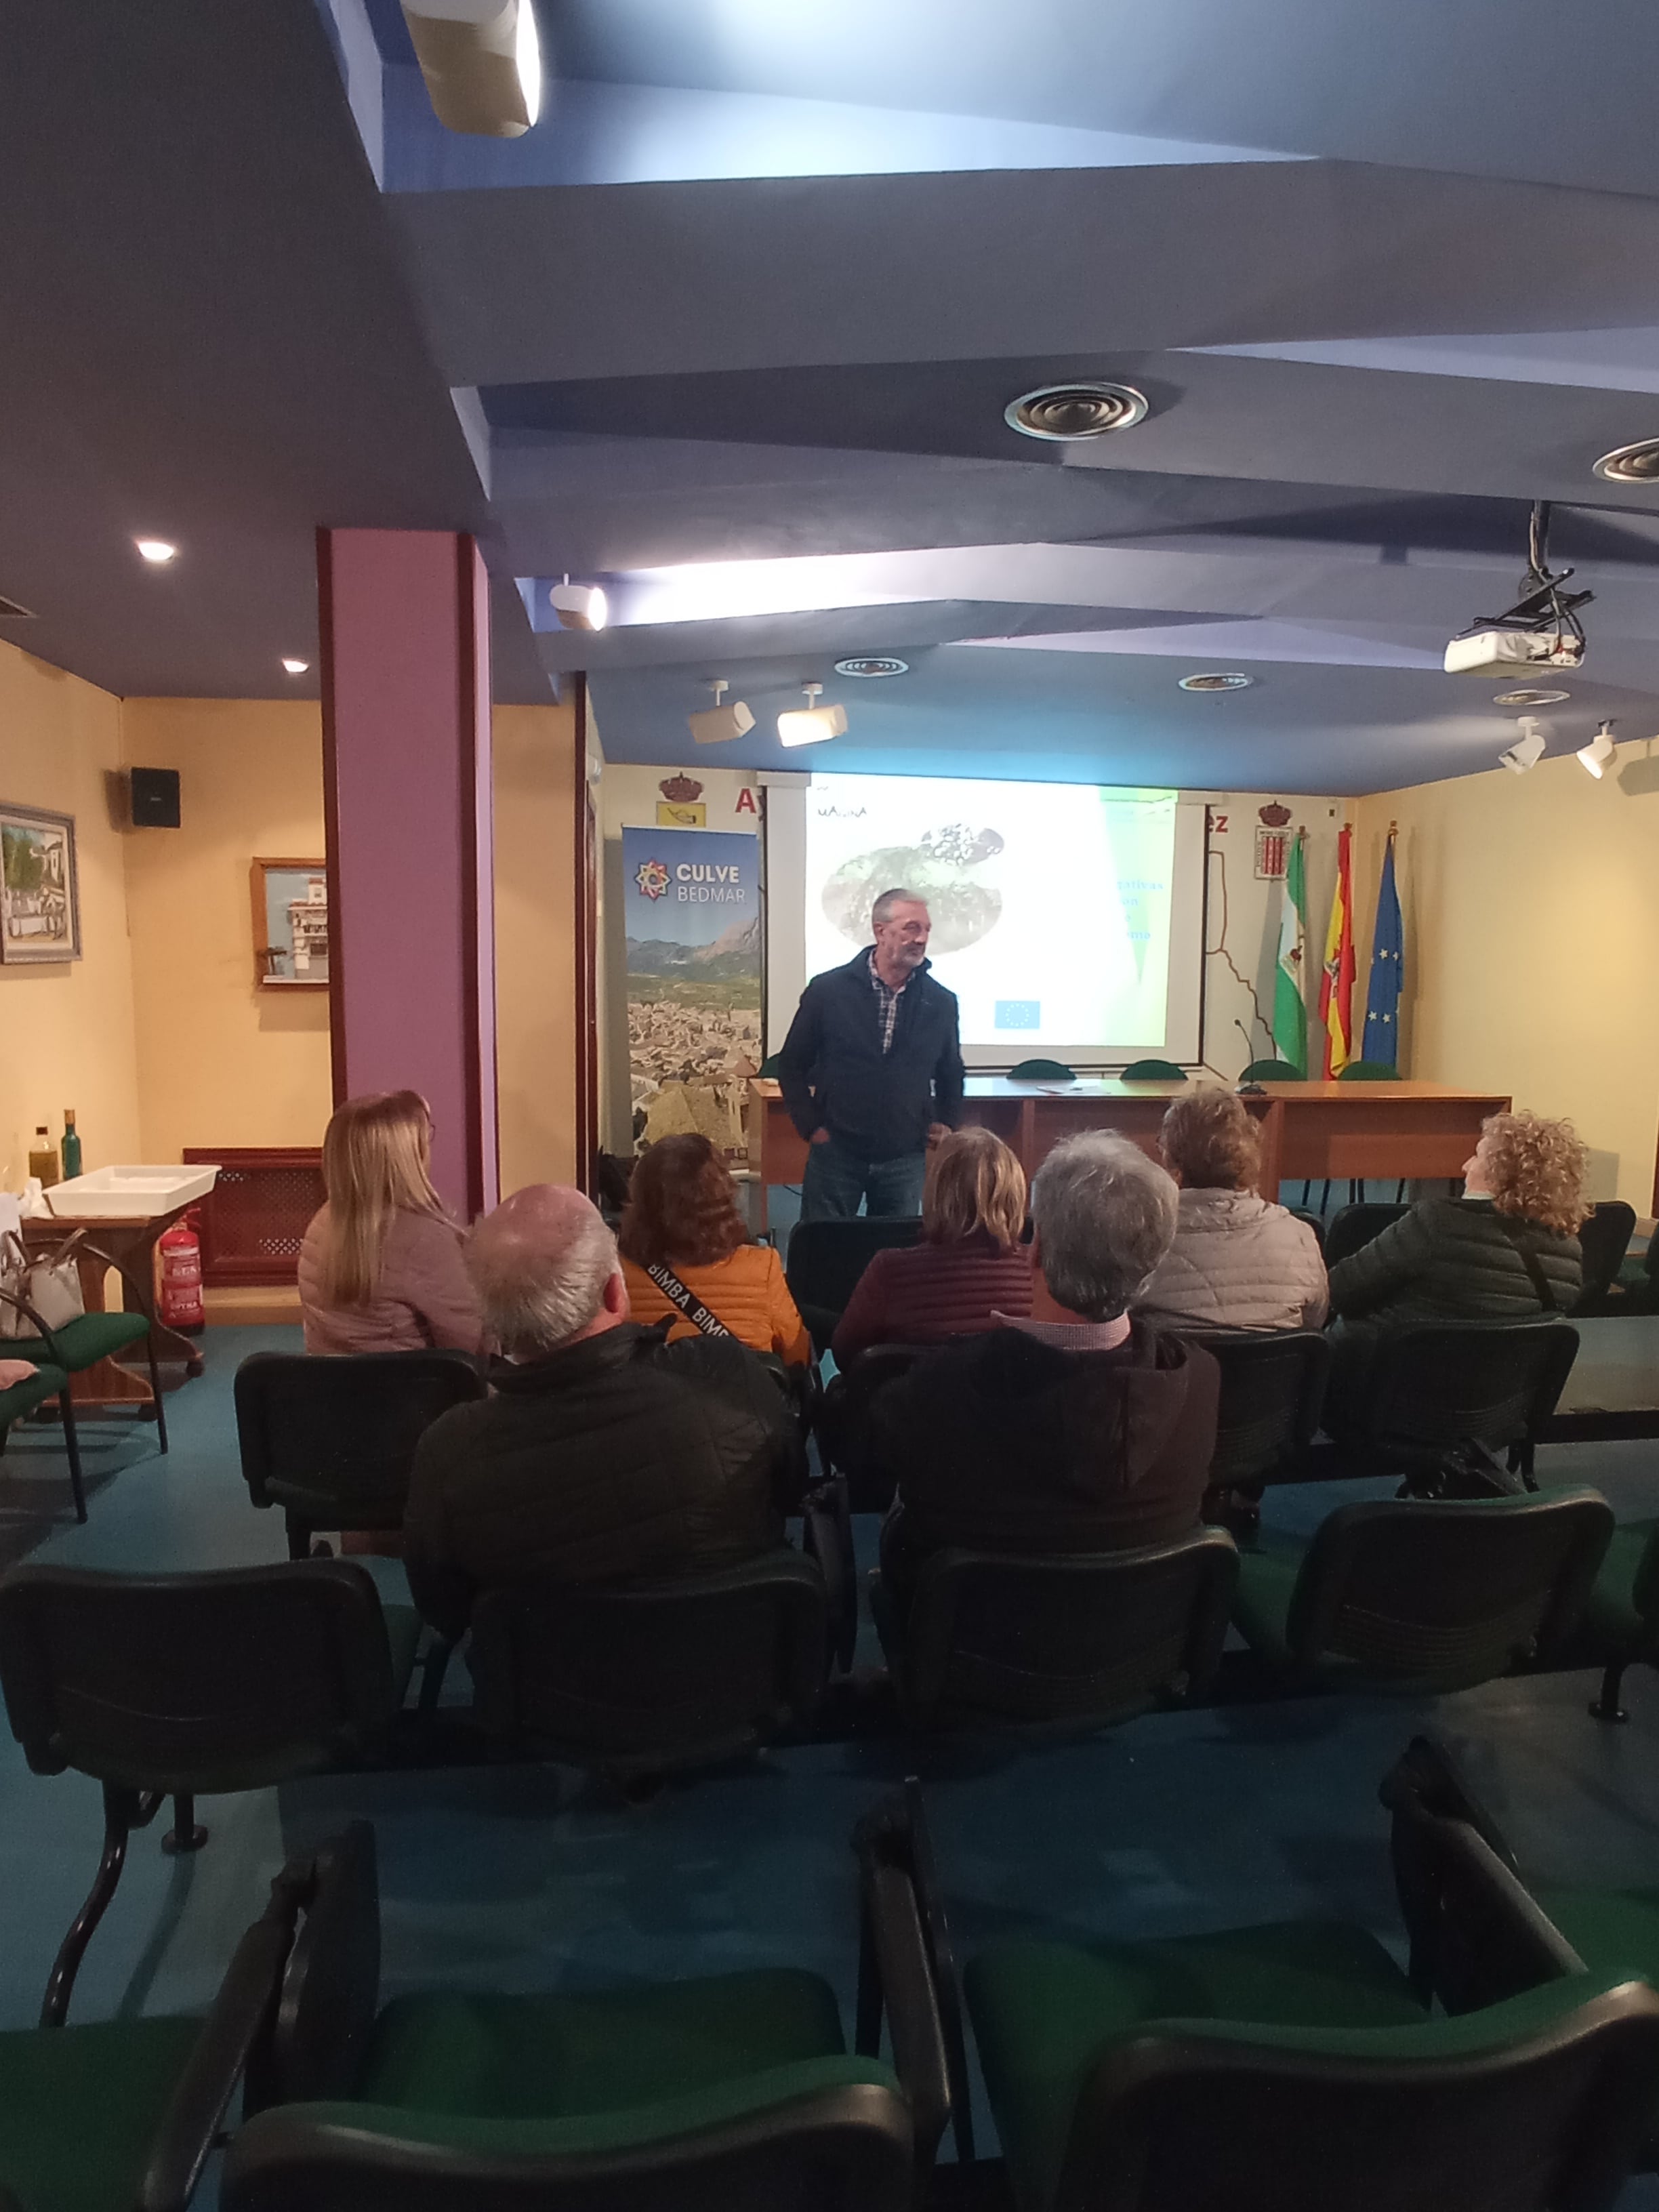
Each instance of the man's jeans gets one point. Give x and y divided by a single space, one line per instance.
837 1178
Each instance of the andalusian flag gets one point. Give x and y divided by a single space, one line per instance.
1289 1007
1336 989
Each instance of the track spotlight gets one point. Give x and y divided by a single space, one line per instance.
718 723
1527 750
482 64
578 606
1593 758
811 724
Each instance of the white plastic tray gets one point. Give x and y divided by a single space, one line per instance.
136 1194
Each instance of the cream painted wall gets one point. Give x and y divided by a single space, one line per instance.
66 1031
1531 908
535 770
220 1061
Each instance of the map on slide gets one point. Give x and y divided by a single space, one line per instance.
1050 902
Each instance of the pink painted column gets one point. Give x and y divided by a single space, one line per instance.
405 680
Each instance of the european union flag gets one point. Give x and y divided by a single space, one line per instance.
1387 971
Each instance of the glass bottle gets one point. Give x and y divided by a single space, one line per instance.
43 1157
71 1146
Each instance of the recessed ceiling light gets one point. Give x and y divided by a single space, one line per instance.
872 664
296 668
156 550
1529 698
1232 679
1063 412
1634 465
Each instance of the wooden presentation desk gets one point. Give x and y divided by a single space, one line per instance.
1309 1131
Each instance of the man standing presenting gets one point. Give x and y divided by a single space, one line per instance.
871 1070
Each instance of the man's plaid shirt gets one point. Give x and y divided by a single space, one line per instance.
887 1005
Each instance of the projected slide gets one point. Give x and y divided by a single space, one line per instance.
1052 904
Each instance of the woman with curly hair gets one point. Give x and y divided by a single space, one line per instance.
1507 1250
686 1254
1238 1261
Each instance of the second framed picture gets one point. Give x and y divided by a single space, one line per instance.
290 925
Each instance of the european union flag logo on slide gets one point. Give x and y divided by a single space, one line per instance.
1019 1013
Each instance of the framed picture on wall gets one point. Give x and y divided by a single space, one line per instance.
39 893
290 925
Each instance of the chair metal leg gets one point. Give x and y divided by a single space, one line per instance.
72 1452
155 1386
433 1668
184 1835
1606 1706
124 1811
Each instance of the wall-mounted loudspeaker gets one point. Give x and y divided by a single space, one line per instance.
154 798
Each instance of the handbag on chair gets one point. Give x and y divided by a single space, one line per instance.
51 1284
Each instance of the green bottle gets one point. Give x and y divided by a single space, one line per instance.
71 1146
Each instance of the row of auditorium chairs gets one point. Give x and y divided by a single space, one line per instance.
1514 2061
171 1687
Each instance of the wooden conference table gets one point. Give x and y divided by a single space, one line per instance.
1309 1131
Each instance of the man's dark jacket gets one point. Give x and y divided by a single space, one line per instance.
615 1459
1005 1444
834 1075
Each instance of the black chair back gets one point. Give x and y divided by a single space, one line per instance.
1448 1592
1180 2119
332 1440
661 1675
826 1259
1435 1385
844 1423
1272 1388
1350 1227
317 2037
1604 1238
1072 1641
233 1679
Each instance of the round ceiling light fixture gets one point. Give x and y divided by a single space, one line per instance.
1529 698
1631 465
1212 679
1063 413
871 664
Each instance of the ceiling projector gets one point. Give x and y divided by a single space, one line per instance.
717 724
578 606
1501 652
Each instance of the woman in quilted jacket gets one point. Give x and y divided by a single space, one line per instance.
1238 1261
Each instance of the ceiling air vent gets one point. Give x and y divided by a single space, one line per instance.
1062 412
872 664
1231 679
10 611
1633 465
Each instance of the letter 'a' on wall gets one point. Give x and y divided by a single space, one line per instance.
692 909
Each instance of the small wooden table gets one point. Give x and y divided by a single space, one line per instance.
107 1387
1309 1131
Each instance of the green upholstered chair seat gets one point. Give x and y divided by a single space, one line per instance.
1622 1618
559 2057
1041 2012
23 1397
548 2077
1261 1602
84 1340
1044 2014
1609 1929
79 2108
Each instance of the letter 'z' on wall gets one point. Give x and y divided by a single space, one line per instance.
692 910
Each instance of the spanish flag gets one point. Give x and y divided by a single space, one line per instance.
1336 986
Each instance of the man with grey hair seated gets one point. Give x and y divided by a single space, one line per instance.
1080 1429
602 1454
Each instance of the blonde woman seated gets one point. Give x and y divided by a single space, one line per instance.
969 1267
381 1267
686 1253
1237 1261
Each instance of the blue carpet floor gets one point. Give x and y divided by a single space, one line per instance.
522 1878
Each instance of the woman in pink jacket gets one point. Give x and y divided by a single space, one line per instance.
381 1268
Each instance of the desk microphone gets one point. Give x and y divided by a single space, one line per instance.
1250 1055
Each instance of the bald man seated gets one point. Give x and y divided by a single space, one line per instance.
602 1455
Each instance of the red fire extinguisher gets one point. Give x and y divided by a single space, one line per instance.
179 1249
